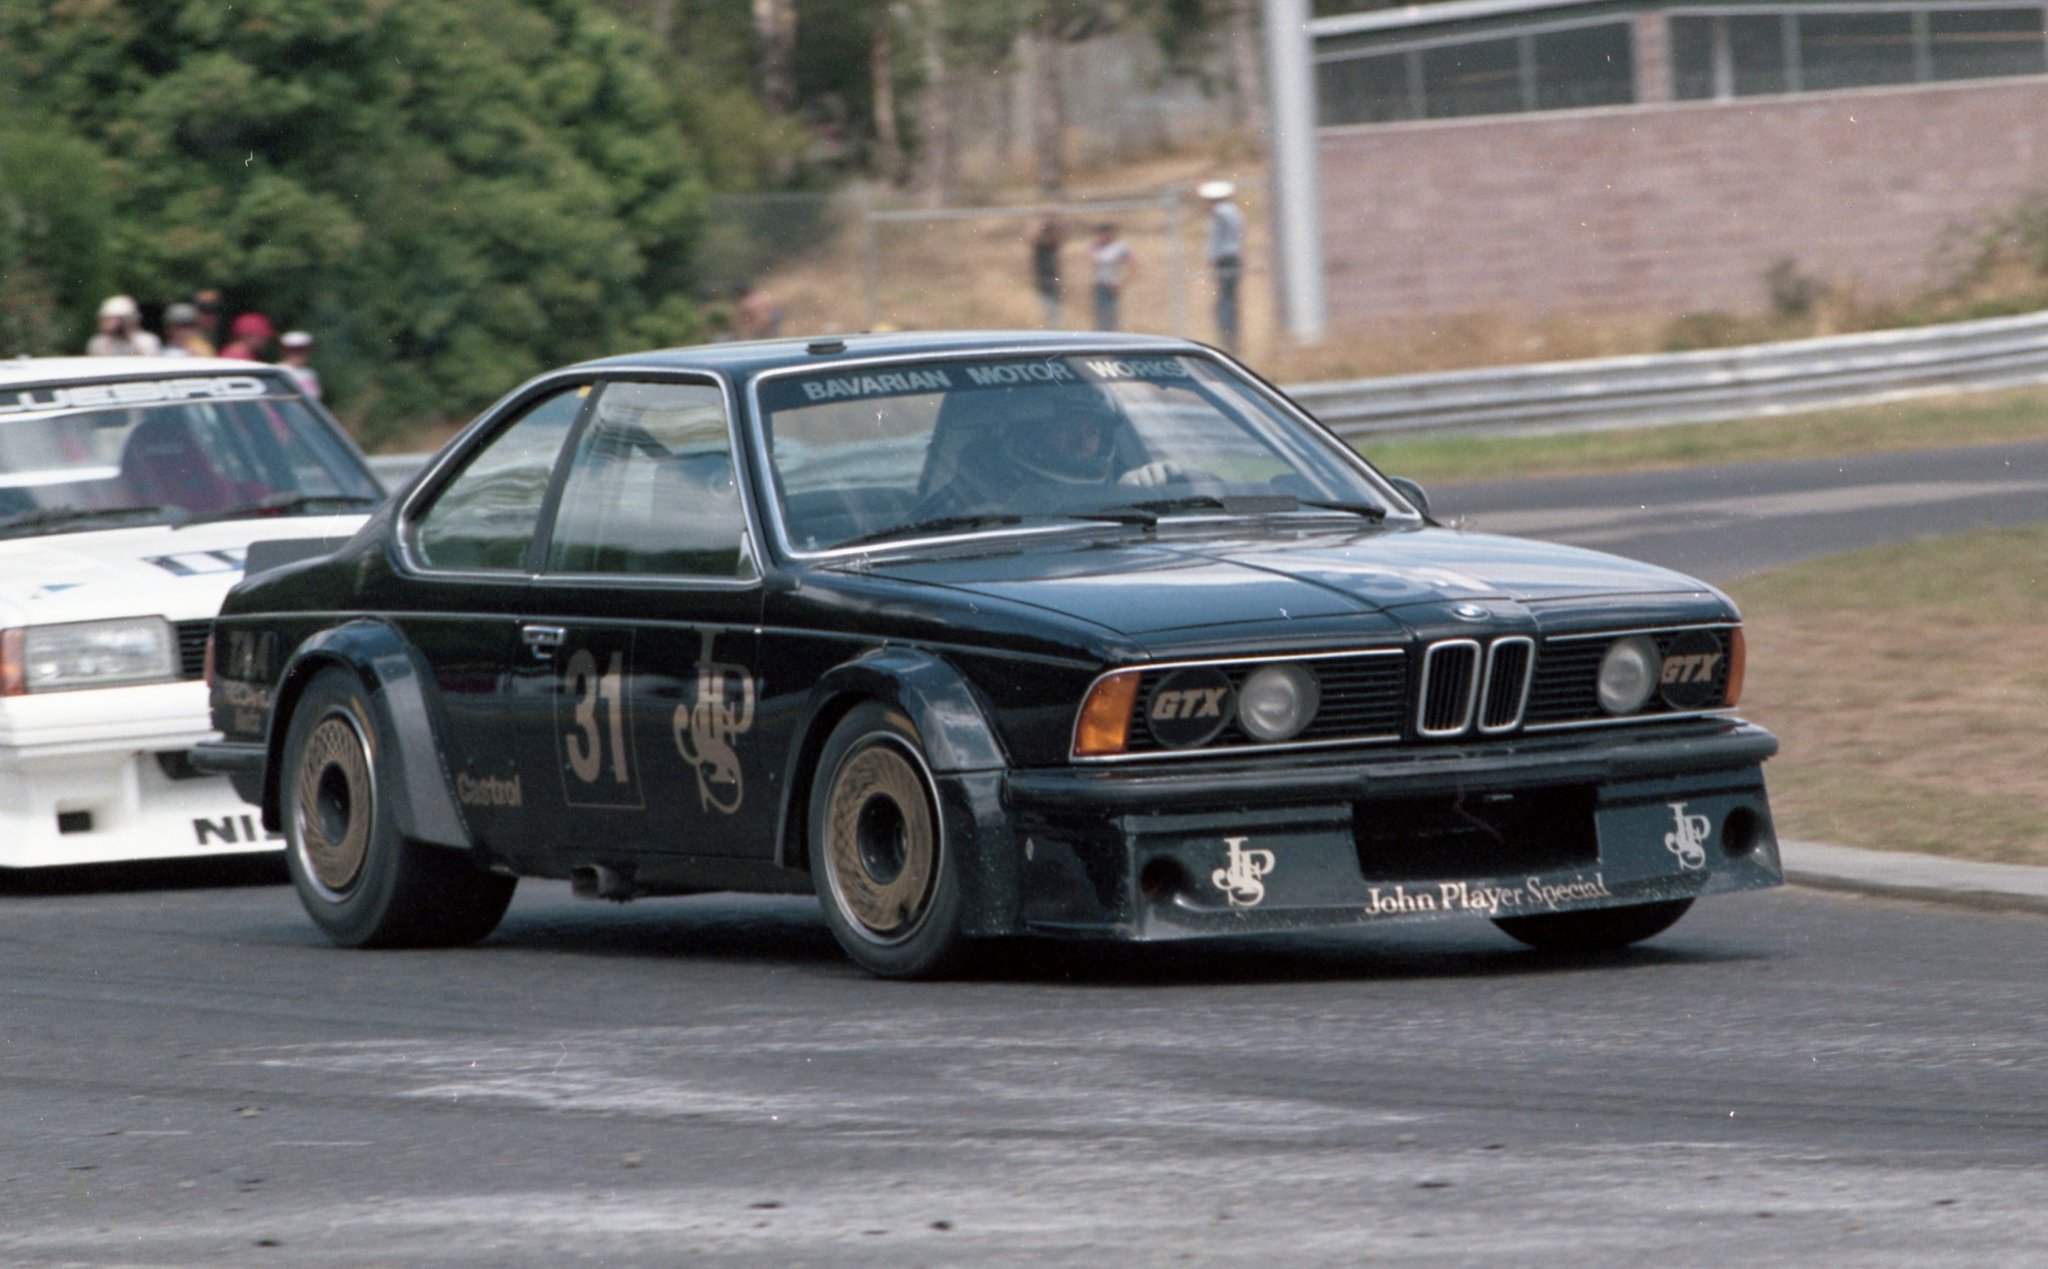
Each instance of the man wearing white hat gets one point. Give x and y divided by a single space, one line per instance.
120 333
297 360
1225 253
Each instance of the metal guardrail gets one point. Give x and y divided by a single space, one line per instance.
1694 387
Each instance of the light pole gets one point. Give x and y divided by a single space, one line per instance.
1296 193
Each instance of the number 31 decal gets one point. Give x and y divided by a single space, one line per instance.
595 730
586 742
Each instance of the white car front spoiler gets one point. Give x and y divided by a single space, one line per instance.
100 775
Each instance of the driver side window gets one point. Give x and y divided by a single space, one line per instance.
653 490
488 515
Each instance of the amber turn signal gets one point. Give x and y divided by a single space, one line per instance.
1106 716
13 678
1738 657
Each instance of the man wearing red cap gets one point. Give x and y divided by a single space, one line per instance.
250 334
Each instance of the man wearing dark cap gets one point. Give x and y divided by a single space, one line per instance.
207 304
181 332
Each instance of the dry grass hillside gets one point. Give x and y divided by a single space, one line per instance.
973 272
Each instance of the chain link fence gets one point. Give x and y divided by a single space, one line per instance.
866 260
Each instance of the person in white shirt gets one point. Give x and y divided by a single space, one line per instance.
297 348
120 333
1225 253
1114 269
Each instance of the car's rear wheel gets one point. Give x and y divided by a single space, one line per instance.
1597 930
878 852
362 882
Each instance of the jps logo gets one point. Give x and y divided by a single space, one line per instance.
1697 668
1200 702
1688 841
1242 877
706 727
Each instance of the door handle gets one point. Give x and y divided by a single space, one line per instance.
544 640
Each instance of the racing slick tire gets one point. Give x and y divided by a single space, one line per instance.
884 872
1598 930
362 882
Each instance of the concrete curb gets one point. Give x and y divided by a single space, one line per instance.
1931 878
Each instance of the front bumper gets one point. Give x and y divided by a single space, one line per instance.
102 776
1510 829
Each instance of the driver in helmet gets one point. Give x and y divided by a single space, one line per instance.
1042 449
1066 438
1060 446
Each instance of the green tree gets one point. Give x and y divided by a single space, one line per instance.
452 194
53 228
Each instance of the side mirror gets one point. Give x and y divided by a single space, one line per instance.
1412 492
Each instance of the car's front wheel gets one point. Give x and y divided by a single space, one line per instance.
878 852
362 882
1597 930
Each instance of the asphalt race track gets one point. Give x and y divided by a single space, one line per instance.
190 1075
1721 522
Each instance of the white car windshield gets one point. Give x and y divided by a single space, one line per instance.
172 450
938 446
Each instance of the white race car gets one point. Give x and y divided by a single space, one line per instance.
130 491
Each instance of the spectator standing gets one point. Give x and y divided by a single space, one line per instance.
249 335
181 332
296 359
1225 253
1046 242
1115 266
120 331
207 302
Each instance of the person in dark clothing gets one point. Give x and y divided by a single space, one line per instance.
1046 242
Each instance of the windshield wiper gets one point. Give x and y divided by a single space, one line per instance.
44 517
279 503
1366 510
1149 513
936 524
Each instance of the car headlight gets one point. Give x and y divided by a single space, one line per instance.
1628 674
88 654
1277 702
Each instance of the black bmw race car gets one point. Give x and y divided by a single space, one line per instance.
977 634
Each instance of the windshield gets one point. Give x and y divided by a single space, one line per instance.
863 454
171 450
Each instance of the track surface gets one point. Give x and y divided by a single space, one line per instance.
189 1075
192 1077
1722 522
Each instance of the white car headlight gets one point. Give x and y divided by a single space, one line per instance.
1628 674
90 654
1277 701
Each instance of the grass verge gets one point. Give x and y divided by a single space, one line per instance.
1979 418
1908 689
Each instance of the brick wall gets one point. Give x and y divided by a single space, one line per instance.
1674 208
